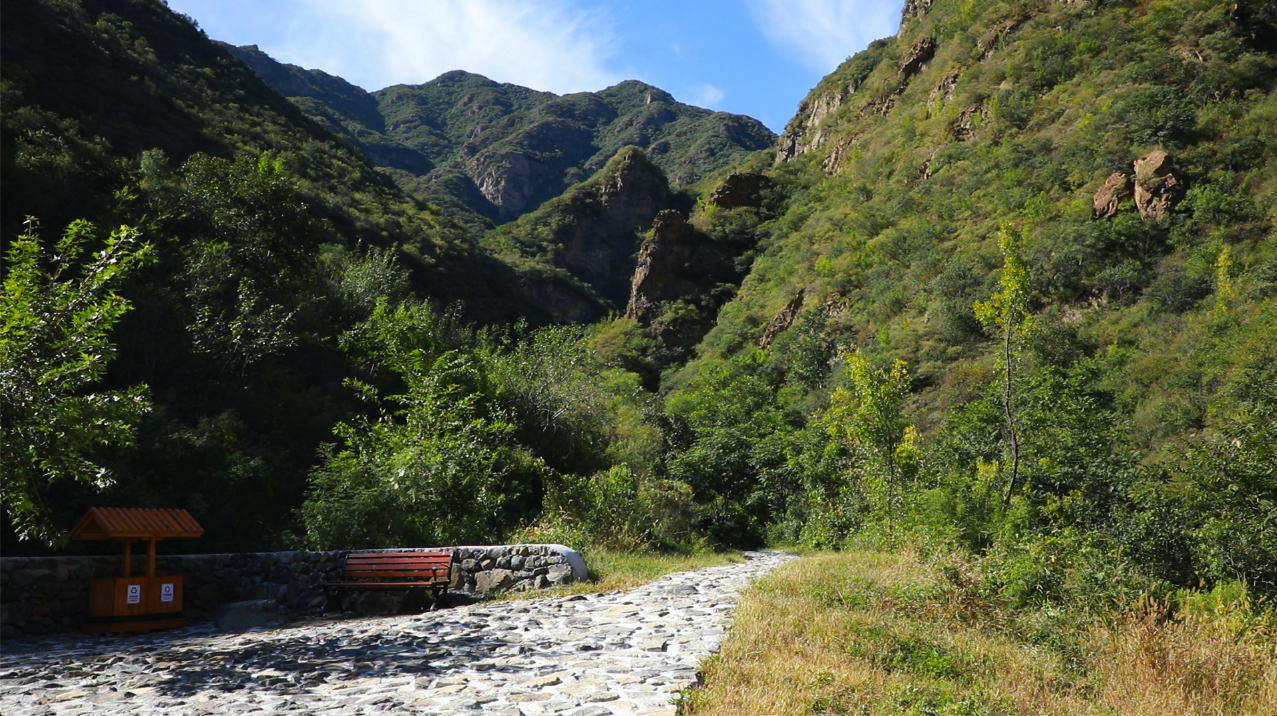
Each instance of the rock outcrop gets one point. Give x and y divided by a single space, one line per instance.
911 12
740 189
963 128
783 320
664 271
915 9
600 249
583 243
1110 196
803 133
677 264
943 92
1157 189
510 181
917 56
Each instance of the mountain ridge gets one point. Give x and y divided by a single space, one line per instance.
499 149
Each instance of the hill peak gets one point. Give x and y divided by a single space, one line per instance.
500 150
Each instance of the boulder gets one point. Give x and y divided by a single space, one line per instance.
559 574
1157 189
1116 189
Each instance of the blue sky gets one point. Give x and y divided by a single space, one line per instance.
754 57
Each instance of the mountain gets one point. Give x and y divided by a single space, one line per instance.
502 150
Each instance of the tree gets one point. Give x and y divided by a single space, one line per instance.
1008 312
53 347
431 467
867 417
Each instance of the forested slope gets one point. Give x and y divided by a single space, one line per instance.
270 238
1023 293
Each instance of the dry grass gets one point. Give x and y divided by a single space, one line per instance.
1205 664
619 571
876 633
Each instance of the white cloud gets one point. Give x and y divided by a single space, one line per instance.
707 96
544 44
823 33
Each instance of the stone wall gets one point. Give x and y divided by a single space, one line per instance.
43 595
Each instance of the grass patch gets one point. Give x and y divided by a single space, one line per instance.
618 571
872 633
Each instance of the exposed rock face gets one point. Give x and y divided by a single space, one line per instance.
1157 188
664 271
964 126
989 41
508 180
600 249
834 162
740 189
915 8
1110 196
918 55
783 320
943 92
590 235
803 134
679 263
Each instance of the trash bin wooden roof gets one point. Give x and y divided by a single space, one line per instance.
135 523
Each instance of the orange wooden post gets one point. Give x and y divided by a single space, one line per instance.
128 558
150 558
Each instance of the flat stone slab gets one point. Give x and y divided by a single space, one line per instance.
619 653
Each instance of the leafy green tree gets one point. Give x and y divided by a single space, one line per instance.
868 417
57 313
1007 312
728 434
426 473
429 467
251 258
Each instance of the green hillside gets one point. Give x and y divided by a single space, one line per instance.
1059 217
502 150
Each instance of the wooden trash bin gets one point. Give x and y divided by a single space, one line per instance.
128 603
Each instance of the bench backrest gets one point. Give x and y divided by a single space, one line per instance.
421 566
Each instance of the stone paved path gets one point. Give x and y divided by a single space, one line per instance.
620 653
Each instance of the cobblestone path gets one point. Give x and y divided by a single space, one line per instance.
585 655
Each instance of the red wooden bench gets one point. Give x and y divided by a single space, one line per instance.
393 570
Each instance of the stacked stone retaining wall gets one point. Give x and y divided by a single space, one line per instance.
44 595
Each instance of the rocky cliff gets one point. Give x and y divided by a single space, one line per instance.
684 274
578 251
